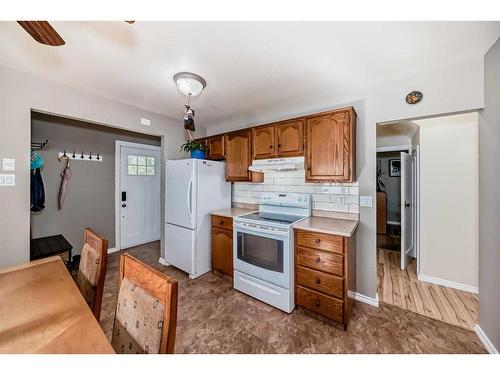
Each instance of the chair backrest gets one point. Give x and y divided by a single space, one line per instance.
92 270
146 309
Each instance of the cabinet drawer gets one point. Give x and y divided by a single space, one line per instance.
320 281
222 222
321 260
320 303
320 241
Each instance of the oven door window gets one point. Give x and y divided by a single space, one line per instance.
260 251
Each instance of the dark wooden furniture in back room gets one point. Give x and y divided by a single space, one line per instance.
44 247
222 245
325 271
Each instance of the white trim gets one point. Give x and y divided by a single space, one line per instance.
394 222
365 299
118 145
112 250
394 148
447 283
485 340
163 262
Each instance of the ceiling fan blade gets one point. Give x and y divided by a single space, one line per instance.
130 22
42 32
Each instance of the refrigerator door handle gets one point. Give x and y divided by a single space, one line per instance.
190 198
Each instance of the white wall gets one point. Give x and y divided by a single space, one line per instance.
379 104
449 198
19 94
489 203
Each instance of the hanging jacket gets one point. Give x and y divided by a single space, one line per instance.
66 176
37 198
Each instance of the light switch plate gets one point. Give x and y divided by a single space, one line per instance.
9 165
366 201
7 180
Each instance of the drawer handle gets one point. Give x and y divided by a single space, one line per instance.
318 281
318 240
318 259
317 302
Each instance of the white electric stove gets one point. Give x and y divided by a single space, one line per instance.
263 248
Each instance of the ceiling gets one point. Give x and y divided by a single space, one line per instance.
250 67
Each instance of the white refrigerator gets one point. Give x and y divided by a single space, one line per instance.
193 189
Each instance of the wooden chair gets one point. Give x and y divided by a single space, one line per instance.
92 270
146 311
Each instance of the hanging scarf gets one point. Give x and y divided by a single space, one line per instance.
66 176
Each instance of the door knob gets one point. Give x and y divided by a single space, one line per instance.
407 204
124 205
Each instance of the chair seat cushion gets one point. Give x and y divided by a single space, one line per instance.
138 322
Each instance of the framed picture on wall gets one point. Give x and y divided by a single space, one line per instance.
395 167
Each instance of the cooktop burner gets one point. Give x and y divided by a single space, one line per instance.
270 217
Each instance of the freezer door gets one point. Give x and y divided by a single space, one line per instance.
180 187
180 248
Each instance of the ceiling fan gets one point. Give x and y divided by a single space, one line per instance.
44 33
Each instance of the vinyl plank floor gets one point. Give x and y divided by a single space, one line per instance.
402 289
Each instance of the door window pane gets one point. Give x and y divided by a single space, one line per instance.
141 160
150 161
141 170
150 171
132 169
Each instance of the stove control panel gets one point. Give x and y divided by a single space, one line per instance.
286 199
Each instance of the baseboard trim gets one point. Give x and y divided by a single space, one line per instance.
113 250
485 340
365 299
163 262
447 283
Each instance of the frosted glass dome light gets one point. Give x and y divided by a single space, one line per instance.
189 83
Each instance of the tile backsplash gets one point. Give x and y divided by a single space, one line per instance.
335 197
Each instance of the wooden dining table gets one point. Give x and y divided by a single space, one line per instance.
42 311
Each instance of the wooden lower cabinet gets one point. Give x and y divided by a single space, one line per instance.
222 245
325 271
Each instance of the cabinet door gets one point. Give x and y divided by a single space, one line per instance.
330 152
222 251
290 136
216 147
238 157
263 142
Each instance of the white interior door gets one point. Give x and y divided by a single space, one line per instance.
407 208
139 201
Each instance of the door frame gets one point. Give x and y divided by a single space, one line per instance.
118 145
416 196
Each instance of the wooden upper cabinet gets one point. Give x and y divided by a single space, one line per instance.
263 142
290 138
238 156
216 147
330 146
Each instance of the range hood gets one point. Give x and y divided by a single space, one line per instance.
277 165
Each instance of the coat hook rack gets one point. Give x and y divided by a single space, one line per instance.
39 145
81 156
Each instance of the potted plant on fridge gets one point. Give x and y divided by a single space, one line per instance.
196 149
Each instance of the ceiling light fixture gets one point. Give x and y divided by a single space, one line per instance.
189 84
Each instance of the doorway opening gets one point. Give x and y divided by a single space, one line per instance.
427 217
60 214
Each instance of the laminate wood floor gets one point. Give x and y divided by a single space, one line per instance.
403 289
215 318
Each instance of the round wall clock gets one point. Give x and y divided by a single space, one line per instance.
414 97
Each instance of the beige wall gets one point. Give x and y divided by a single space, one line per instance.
380 104
449 198
19 94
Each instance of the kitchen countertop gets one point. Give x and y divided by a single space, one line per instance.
232 212
339 227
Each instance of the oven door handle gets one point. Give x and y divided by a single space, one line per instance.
259 231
